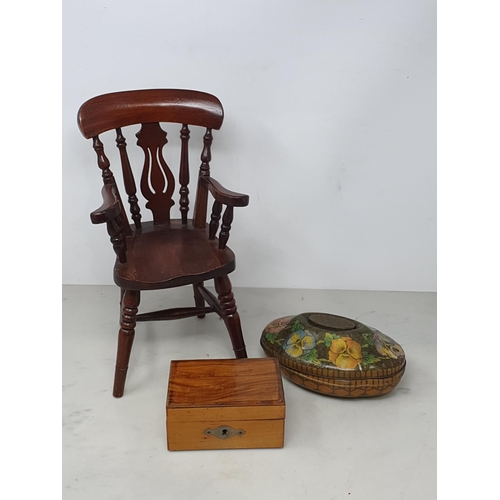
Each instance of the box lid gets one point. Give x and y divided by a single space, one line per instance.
232 389
333 347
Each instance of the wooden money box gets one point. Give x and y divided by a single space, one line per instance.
334 355
224 404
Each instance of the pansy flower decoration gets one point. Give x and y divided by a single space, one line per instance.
299 343
345 353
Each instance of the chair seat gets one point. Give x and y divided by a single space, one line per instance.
170 255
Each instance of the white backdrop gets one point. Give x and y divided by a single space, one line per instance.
330 127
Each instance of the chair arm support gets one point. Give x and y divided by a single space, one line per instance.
110 212
110 209
223 195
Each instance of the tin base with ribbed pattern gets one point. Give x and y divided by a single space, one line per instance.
334 355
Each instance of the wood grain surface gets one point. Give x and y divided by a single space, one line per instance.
258 434
224 383
165 252
244 394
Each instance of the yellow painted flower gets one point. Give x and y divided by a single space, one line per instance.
300 343
345 353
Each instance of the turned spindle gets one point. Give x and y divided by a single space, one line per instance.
227 219
128 179
184 174
214 219
200 210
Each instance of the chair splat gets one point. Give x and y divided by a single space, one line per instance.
157 180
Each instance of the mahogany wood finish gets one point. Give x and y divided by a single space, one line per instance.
184 174
214 219
230 314
119 109
128 179
200 209
165 252
198 297
130 303
157 180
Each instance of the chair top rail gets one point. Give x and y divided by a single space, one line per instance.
119 109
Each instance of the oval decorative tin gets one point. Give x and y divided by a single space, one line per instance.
334 355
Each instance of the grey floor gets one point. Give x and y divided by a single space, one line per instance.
380 448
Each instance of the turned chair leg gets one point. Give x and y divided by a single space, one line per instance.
231 316
122 293
129 304
199 301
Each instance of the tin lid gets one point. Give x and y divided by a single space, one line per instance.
332 346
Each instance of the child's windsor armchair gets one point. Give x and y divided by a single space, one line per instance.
164 252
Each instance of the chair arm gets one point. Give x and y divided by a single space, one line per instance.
110 209
223 195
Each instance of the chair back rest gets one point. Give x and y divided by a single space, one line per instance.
148 108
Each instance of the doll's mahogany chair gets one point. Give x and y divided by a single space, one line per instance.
165 252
